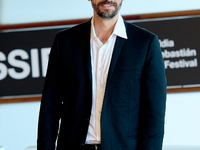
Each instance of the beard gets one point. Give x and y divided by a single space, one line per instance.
107 14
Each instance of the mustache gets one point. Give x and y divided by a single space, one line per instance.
108 2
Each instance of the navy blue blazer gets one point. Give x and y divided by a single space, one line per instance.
134 103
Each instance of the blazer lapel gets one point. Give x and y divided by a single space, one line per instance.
117 49
116 52
86 46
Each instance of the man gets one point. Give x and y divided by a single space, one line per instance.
106 84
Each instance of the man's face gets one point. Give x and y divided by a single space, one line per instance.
106 9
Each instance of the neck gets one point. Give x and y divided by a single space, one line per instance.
104 27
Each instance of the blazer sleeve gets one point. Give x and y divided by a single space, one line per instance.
50 104
153 97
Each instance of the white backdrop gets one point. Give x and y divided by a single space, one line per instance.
23 11
18 122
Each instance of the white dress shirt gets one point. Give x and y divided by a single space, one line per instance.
101 55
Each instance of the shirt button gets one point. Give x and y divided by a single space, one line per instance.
100 69
100 90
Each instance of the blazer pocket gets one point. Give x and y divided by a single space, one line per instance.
126 68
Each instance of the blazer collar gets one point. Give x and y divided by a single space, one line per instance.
116 52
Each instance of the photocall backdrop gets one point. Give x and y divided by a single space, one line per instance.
24 54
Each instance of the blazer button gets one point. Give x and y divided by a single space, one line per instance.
87 119
82 144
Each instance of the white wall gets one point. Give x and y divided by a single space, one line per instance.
18 125
1 12
23 11
18 122
182 126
